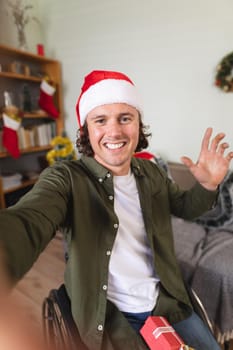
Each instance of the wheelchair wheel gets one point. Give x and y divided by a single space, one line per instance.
199 308
55 329
59 329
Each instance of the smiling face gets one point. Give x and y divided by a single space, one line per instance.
113 133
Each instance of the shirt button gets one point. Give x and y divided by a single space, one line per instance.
100 327
115 225
108 175
100 179
110 197
108 252
105 287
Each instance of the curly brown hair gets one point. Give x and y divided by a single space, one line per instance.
83 143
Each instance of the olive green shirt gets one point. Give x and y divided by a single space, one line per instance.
79 196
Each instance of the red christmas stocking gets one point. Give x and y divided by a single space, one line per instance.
10 137
46 99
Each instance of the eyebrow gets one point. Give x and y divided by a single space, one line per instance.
105 115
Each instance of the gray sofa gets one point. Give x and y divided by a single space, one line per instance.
204 250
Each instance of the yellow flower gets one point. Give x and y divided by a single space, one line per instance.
62 149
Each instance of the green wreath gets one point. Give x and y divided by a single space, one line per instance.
224 76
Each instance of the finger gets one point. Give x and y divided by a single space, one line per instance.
229 157
187 161
222 148
216 140
206 139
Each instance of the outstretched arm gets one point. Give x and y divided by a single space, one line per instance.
213 163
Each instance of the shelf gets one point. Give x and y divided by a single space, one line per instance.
19 54
24 184
20 76
18 67
34 115
27 150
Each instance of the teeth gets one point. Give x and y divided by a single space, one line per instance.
114 145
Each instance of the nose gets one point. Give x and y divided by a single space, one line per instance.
114 128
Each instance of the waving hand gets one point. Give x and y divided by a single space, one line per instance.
213 162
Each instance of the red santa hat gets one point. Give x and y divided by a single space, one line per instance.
105 87
145 155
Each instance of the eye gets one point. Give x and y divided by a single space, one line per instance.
125 119
100 121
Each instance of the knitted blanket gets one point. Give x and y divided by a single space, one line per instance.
206 260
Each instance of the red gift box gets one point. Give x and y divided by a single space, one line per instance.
160 335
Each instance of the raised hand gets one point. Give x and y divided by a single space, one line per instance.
213 162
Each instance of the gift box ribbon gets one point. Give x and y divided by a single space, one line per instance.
160 330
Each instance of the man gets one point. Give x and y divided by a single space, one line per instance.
116 209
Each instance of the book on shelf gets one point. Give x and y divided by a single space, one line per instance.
11 180
35 136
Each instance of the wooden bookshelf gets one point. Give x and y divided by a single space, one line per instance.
17 68
24 77
27 150
24 183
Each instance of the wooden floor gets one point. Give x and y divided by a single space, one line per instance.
47 273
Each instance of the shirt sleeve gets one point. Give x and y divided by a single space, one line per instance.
27 227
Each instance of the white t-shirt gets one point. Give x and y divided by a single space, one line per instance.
132 283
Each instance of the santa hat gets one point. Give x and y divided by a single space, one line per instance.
145 155
105 87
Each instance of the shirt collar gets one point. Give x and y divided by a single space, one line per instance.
100 172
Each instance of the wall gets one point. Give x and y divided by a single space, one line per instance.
170 48
8 31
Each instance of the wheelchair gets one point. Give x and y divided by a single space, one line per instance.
60 330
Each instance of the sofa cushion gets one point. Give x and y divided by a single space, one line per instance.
213 279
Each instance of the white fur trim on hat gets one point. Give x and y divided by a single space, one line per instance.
106 92
47 88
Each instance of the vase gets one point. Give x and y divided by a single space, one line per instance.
22 42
